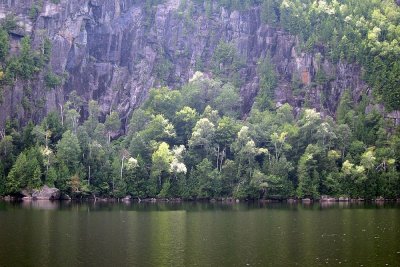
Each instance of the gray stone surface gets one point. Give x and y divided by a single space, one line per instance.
110 50
46 193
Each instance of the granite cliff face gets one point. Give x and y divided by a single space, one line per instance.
111 51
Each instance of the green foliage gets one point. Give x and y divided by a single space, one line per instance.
69 152
25 173
308 174
163 69
362 31
226 62
268 82
163 101
270 11
184 121
228 101
161 160
35 10
190 142
202 136
52 80
345 106
4 45
207 182
9 23
26 64
112 124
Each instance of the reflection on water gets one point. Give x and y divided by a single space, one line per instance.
41 204
43 233
187 206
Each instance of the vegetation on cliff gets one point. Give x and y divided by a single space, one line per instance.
191 143
194 142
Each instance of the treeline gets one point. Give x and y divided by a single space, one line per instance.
365 32
191 143
194 143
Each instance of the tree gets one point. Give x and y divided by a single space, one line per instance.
164 101
278 140
71 117
345 105
177 165
307 172
161 160
17 178
202 136
207 182
26 172
95 158
228 101
4 45
184 121
69 152
201 91
226 62
352 179
7 151
93 120
132 163
325 135
112 124
225 134
138 122
26 61
278 173
245 151
268 82
269 11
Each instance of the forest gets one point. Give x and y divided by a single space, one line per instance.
195 142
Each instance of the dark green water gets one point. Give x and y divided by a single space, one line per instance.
195 234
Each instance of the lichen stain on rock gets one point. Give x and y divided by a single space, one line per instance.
306 77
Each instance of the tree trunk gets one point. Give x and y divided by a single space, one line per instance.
62 115
218 157
122 166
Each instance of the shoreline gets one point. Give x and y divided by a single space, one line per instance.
205 200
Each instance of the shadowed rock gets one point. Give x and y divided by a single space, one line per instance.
46 193
111 50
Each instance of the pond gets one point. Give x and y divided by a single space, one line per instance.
44 233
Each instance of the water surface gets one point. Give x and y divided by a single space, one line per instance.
198 234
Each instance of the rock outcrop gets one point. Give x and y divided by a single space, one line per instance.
46 193
115 51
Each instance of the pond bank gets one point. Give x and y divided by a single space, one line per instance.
64 197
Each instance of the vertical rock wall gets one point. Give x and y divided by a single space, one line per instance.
111 51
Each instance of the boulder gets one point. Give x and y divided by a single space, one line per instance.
25 193
46 193
325 198
127 198
357 200
64 196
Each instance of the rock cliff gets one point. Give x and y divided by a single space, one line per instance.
112 50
